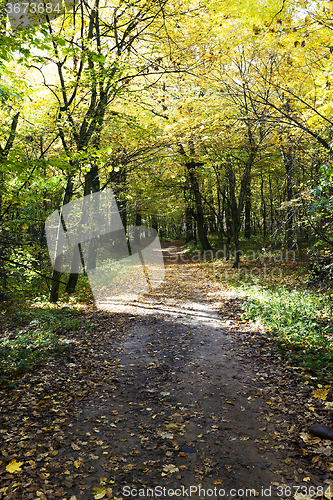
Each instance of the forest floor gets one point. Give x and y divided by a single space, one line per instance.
174 392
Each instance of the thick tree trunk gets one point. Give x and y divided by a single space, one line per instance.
200 219
263 206
54 293
271 204
288 160
154 223
188 225
235 219
247 231
138 221
199 215
236 209
91 185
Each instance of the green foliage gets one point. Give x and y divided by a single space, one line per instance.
321 206
300 322
32 335
26 351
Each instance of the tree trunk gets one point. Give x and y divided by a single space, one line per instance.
263 206
200 219
288 159
154 223
236 209
271 204
91 185
54 293
188 225
138 220
247 232
199 215
235 219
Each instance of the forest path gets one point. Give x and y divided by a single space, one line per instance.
161 395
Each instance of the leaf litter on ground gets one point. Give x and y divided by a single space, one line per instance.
60 438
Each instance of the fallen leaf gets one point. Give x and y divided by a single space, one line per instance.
166 435
305 437
14 466
169 469
321 394
99 493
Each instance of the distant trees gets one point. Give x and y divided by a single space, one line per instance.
202 117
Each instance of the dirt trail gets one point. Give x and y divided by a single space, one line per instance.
157 396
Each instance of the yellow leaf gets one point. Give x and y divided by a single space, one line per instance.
218 481
304 436
66 472
306 479
14 466
300 496
75 446
321 394
99 493
78 464
73 497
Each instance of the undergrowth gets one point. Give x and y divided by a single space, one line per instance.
30 335
299 321
298 318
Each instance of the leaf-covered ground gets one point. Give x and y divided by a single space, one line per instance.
174 391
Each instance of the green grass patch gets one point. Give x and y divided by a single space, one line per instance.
300 322
25 351
30 335
299 319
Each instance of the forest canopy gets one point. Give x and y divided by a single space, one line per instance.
207 119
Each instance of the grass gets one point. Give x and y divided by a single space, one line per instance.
299 319
31 334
